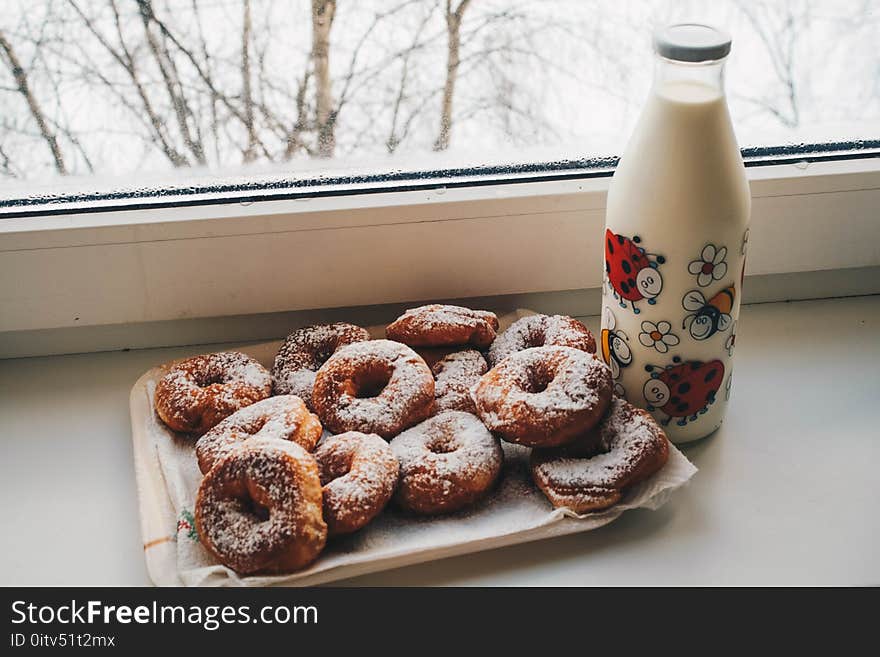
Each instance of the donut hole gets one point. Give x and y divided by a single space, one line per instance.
251 507
338 464
536 340
370 382
443 445
210 378
323 353
538 378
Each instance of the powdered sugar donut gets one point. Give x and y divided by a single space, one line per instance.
303 353
259 508
540 331
358 474
199 392
284 417
379 387
454 376
446 463
544 396
438 325
630 447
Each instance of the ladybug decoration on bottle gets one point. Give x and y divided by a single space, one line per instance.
708 317
632 272
684 389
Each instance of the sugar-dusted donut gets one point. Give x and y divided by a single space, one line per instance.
284 417
259 509
437 325
303 353
540 331
378 386
544 396
197 393
446 463
358 474
454 376
629 447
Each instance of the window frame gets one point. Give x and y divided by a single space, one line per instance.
241 188
198 261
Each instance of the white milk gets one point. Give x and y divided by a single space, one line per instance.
678 214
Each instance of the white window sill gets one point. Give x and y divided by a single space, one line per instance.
80 282
773 503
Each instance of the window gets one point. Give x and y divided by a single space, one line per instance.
251 94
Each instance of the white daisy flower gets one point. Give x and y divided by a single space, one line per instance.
710 266
658 335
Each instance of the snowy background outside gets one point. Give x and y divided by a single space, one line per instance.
129 90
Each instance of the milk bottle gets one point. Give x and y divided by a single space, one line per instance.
675 241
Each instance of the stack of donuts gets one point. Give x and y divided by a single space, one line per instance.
343 425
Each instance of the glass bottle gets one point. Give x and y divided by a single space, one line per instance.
676 233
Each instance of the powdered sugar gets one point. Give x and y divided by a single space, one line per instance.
446 462
260 500
284 417
541 330
438 325
359 473
630 440
402 388
200 391
305 351
546 388
454 376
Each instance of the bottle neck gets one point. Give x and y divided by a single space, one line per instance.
709 75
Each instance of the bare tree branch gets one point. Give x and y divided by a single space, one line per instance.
453 58
21 80
323 12
166 69
247 98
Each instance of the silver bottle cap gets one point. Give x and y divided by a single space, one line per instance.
692 42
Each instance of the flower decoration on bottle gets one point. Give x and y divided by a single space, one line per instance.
659 336
710 266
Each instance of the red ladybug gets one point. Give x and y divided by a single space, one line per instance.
683 390
632 273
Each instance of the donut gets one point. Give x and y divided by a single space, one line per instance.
454 376
358 475
303 353
627 447
437 325
284 417
197 393
379 386
259 508
544 396
540 331
446 463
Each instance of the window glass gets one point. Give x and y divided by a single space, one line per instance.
122 92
